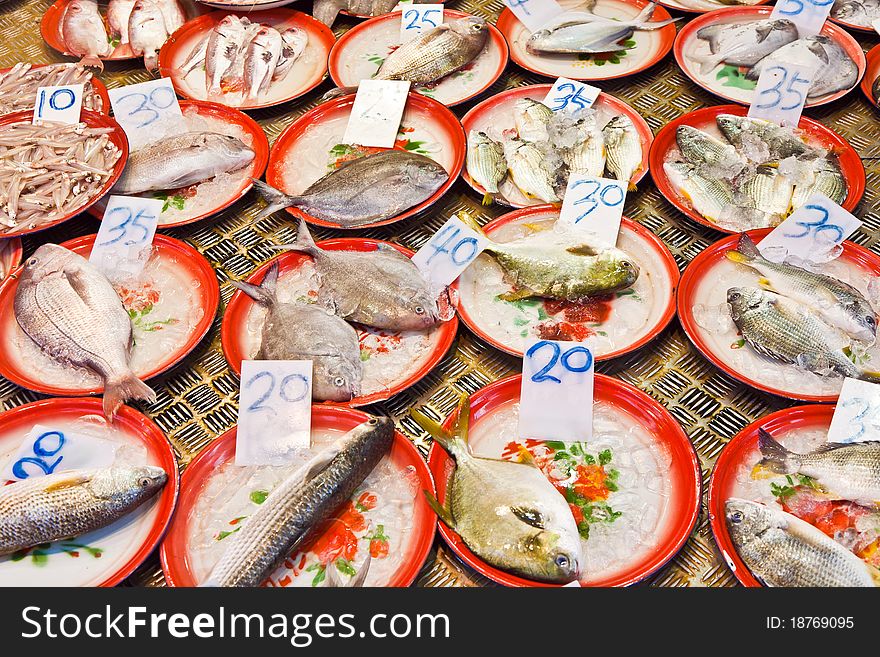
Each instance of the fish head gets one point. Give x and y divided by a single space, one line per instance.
747 519
47 260
615 270
544 554
336 379
534 45
424 173
232 150
410 309
128 486
472 28
862 321
743 299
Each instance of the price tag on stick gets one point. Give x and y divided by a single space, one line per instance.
147 111
60 104
808 15
416 19
594 205
781 92
376 113
449 252
857 414
122 245
274 411
534 14
48 450
556 398
570 96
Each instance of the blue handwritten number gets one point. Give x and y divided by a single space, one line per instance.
414 14
283 392
793 79
816 227
797 6
575 97
303 381
40 452
128 222
258 404
519 3
454 252
54 100
558 357
610 196
419 20
159 98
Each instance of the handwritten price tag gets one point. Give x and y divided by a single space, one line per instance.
594 205
782 92
571 96
534 14
147 110
60 104
274 411
811 232
449 252
857 414
48 450
808 15
125 236
556 398
376 113
416 19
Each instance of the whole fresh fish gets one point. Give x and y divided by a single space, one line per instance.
782 550
623 149
836 69
299 504
827 180
71 311
856 12
147 32
850 471
172 13
485 163
118 12
381 288
700 147
224 43
768 191
784 330
780 141
743 44
708 196
293 44
305 331
327 10
259 63
531 119
372 188
82 30
556 265
196 56
68 504
575 33
525 161
233 77
181 161
507 513
587 156
836 302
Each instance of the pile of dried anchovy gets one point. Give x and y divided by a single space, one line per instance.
18 86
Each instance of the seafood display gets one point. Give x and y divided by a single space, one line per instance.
18 85
326 11
859 13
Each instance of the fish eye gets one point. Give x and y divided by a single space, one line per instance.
373 421
419 310
561 560
144 482
477 27
734 296
736 517
339 382
32 262
871 320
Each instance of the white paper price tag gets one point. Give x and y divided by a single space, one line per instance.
125 236
571 96
808 15
146 111
449 252
416 19
274 411
782 91
575 584
60 104
556 398
811 232
594 205
376 113
48 450
534 14
876 25
857 414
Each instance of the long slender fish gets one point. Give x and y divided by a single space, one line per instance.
300 503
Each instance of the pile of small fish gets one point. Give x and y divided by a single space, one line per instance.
382 289
51 170
18 86
801 317
781 548
547 147
759 44
142 25
582 32
857 12
754 177
245 58
326 11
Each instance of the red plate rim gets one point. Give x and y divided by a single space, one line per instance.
198 265
317 114
138 424
507 20
872 70
644 130
260 147
177 569
238 306
843 38
666 259
688 10
851 26
334 65
730 458
97 86
617 392
715 252
850 162
93 120
202 23
13 258
50 29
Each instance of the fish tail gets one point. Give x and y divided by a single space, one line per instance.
488 199
91 60
775 457
442 512
646 13
337 92
708 62
326 11
468 220
435 429
746 251
649 27
869 375
276 200
264 293
123 388
454 442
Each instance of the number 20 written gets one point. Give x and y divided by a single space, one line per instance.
575 359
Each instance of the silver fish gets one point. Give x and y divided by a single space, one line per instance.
836 69
305 331
827 180
744 44
172 13
233 77
69 504
223 45
71 311
857 12
147 32
769 192
299 504
531 119
294 41
526 165
118 12
182 160
82 30
623 149
485 163
708 196
781 142
700 147
587 156
372 188
259 64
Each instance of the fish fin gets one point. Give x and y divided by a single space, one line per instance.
775 456
707 63
332 580
91 60
123 388
869 375
305 243
763 31
517 294
275 199
264 293
657 25
68 481
582 250
462 420
339 91
468 220
390 251
646 13
442 512
358 580
531 517
525 457
434 428
631 186
488 199
746 250
766 284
